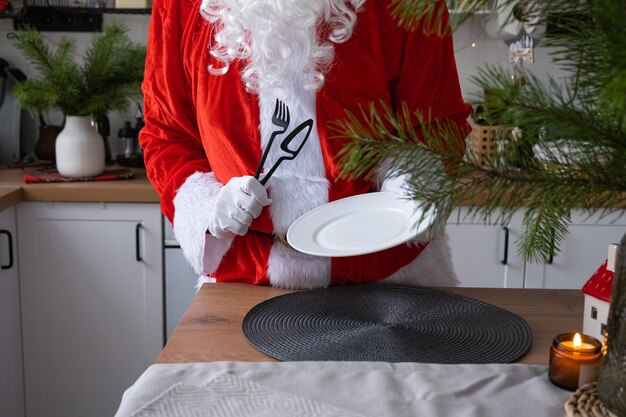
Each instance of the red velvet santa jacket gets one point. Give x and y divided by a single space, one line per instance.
201 123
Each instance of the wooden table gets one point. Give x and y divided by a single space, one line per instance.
210 330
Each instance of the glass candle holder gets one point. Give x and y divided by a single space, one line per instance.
574 360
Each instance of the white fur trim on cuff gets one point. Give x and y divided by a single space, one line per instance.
192 204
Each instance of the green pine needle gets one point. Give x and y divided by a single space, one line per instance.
110 75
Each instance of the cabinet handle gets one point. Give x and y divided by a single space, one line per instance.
505 259
10 237
138 242
551 258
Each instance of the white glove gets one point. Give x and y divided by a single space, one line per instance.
237 203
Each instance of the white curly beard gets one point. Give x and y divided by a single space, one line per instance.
285 36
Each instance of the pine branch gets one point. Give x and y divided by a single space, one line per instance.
429 15
547 193
35 95
551 113
111 74
100 52
543 230
34 48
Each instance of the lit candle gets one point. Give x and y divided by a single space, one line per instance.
574 360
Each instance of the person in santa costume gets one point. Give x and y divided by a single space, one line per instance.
218 75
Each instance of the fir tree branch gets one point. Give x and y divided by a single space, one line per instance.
111 74
546 193
35 95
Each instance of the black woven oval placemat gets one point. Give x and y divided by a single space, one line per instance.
385 323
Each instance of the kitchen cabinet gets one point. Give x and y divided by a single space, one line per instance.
582 252
483 251
11 373
485 254
92 303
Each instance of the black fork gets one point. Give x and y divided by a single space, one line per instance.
280 119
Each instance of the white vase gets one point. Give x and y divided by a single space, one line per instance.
79 148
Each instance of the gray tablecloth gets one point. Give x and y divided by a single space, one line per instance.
342 388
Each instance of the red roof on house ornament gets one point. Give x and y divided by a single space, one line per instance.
600 283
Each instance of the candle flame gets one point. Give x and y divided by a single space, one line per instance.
577 341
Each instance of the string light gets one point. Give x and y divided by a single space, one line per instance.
473 44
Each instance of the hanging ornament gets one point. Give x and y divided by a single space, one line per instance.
521 48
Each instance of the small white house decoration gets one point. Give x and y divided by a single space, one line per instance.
598 296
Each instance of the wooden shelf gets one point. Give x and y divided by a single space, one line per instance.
23 12
68 19
103 10
11 15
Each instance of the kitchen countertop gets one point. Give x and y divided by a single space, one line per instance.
210 330
9 195
13 189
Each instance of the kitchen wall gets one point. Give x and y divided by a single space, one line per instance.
474 49
469 58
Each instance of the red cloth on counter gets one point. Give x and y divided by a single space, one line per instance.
37 175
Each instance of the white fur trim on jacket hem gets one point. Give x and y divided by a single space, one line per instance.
192 205
288 268
292 195
432 267
203 279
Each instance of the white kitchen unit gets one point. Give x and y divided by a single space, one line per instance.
92 291
484 253
582 252
11 365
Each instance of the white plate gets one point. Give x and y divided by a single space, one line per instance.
358 225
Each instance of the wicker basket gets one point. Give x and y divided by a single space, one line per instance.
483 143
586 403
487 141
